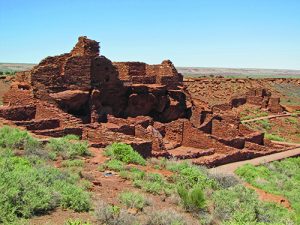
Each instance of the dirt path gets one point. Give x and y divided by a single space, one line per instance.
268 117
231 167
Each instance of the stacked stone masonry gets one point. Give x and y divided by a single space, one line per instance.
146 106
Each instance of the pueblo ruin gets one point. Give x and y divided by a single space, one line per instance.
146 106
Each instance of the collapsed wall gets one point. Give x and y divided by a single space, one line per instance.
147 106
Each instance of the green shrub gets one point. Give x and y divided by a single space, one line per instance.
112 164
15 138
190 176
133 174
68 147
264 123
235 203
73 163
239 205
279 178
133 200
73 197
29 189
124 153
193 199
252 114
148 186
291 120
76 222
152 183
274 137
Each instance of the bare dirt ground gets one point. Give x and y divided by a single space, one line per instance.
214 91
235 72
15 66
285 127
267 197
107 188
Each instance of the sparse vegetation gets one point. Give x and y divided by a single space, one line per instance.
166 217
291 120
133 200
28 189
265 124
76 222
280 178
7 73
125 153
251 113
112 164
113 215
274 137
73 163
68 147
31 187
239 205
28 185
15 138
193 199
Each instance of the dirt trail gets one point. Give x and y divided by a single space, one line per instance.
231 167
268 117
267 197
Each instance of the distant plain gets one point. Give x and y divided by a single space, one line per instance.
195 71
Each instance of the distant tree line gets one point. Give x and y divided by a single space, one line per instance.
7 73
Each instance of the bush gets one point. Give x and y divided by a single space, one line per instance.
68 147
239 205
190 176
15 138
113 164
76 222
73 163
73 197
192 200
167 217
264 123
274 137
235 203
112 215
158 163
224 180
133 200
29 189
133 174
124 153
279 178
152 183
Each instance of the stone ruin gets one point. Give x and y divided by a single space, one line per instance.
146 106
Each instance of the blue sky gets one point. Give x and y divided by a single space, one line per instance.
204 33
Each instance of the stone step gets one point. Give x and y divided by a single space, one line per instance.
60 132
45 124
184 152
